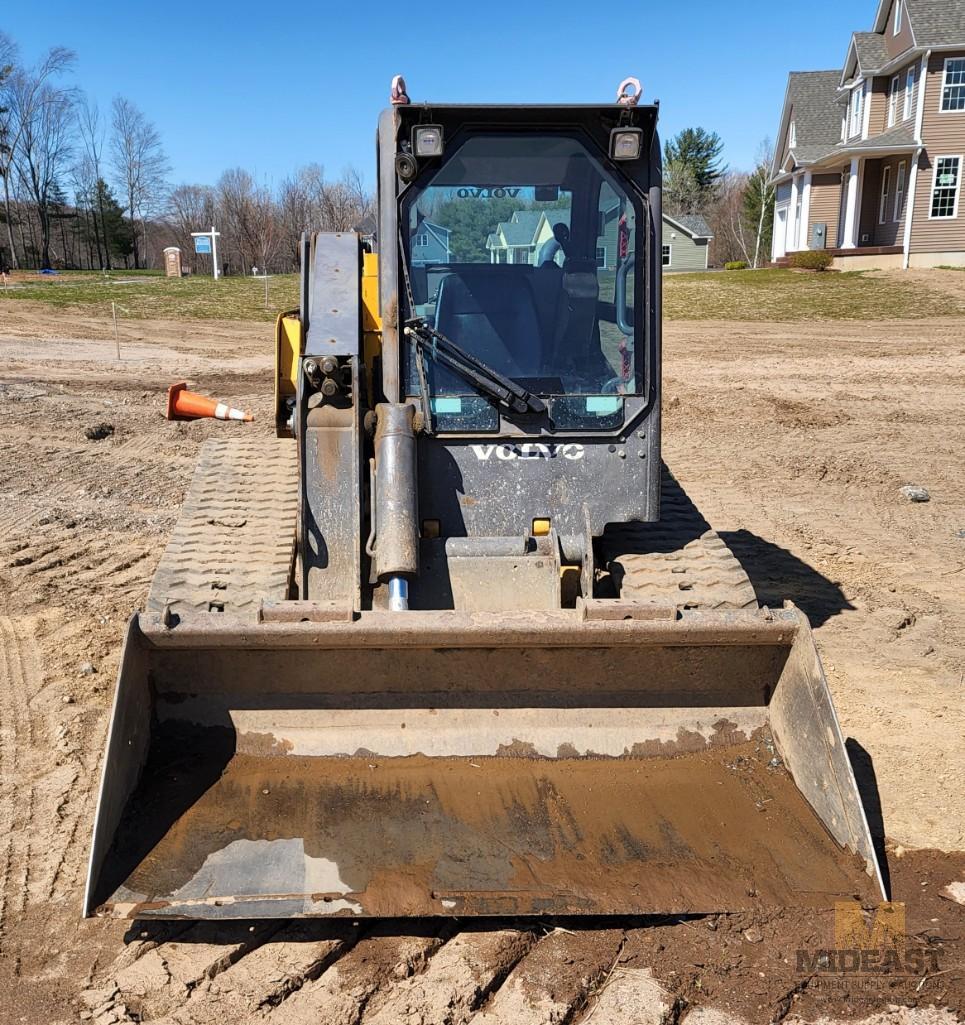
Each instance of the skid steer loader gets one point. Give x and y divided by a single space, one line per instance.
454 642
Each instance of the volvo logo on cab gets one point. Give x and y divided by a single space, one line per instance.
529 450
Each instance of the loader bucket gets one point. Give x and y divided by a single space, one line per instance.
411 764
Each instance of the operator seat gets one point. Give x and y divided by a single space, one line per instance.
493 316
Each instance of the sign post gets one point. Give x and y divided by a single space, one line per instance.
207 242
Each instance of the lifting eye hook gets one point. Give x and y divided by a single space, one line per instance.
629 92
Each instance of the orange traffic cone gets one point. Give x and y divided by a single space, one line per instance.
189 405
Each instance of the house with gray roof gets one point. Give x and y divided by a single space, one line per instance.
520 239
429 243
870 157
686 238
686 242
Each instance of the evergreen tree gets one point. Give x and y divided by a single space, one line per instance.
699 151
115 232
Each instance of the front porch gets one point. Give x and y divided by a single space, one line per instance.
860 258
858 211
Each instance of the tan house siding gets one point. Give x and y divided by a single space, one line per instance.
879 106
892 232
825 205
880 95
897 44
943 135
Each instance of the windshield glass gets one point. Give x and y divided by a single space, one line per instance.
515 246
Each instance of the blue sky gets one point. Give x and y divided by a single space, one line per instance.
272 86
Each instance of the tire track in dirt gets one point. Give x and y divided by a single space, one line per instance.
71 568
20 678
312 973
554 981
343 992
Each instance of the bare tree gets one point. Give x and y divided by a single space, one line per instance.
23 91
346 202
190 208
92 136
742 216
732 240
139 163
299 206
682 193
43 154
248 214
759 201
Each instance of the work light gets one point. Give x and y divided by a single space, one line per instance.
427 140
626 143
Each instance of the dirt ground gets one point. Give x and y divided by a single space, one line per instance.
793 438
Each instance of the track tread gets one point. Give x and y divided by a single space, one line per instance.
679 560
233 544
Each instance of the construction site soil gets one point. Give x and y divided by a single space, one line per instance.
794 439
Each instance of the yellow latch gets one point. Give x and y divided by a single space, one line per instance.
541 528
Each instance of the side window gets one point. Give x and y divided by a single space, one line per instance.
953 85
667 256
614 248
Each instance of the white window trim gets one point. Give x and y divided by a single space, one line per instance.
884 200
422 241
893 100
944 85
901 179
603 250
898 18
792 135
669 260
856 115
909 93
934 185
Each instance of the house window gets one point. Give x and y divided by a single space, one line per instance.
667 255
944 196
885 194
953 90
900 191
792 135
857 101
520 254
893 101
909 92
422 241
898 12
601 257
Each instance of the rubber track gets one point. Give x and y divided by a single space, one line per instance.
680 559
234 541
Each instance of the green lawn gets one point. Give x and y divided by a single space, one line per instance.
784 295
150 296
766 295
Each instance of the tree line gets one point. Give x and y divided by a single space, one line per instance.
737 205
89 190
